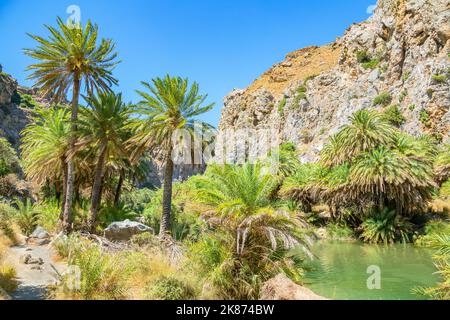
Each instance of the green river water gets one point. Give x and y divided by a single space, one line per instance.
340 270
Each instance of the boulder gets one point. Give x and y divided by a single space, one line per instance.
282 288
40 233
125 230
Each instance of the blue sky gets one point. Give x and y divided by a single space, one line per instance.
220 44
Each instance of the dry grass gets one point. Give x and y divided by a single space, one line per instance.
299 65
440 206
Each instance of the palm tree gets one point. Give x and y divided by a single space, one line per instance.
69 58
367 130
45 148
255 234
169 106
102 127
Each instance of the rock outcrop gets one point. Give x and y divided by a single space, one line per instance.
401 53
282 288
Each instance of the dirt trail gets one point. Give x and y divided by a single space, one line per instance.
33 283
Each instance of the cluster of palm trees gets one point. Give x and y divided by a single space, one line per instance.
91 145
371 165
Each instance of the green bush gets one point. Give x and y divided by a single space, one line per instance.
48 215
27 101
394 116
412 107
137 200
383 99
424 117
110 213
336 231
7 214
103 274
440 78
281 106
9 162
367 62
386 227
26 216
169 288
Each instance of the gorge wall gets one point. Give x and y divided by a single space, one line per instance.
401 55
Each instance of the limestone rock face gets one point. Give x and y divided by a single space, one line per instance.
402 50
282 288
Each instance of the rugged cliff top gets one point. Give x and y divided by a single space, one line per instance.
398 59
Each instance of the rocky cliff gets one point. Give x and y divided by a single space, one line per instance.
398 57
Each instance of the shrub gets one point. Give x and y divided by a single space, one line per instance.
394 116
103 274
6 222
412 107
440 78
383 99
424 117
386 227
26 216
367 62
48 215
9 162
403 96
169 288
340 232
110 213
27 101
137 200
281 105
441 243
8 277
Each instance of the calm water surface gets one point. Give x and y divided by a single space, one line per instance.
340 270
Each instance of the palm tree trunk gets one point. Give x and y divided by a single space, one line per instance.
67 214
119 189
167 196
64 185
97 187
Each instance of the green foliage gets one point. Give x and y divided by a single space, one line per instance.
424 117
440 78
441 243
7 214
66 53
169 288
412 107
254 235
9 162
48 214
103 275
114 213
406 76
45 146
27 101
281 105
367 62
386 227
26 216
444 192
137 200
336 231
383 99
394 115
403 96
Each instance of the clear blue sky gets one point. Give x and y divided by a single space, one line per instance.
220 44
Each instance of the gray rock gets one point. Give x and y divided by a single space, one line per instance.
30 259
40 233
125 230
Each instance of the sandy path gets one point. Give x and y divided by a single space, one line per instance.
33 283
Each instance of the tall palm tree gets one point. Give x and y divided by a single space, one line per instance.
45 147
69 58
102 127
170 105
